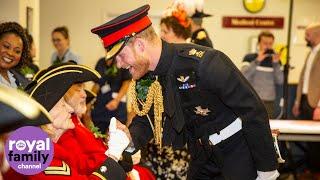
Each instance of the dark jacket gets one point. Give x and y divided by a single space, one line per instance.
193 76
201 37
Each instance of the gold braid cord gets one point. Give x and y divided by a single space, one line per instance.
154 96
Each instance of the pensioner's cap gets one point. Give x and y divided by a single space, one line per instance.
50 85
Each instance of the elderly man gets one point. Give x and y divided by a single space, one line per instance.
75 147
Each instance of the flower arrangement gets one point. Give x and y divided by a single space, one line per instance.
178 11
142 88
181 16
27 72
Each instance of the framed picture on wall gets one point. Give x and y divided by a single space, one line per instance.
29 20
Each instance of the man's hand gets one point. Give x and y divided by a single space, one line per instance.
296 109
316 114
261 56
113 104
136 157
276 58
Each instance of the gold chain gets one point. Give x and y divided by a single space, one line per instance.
154 96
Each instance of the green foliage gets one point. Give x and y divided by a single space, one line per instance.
96 132
112 70
142 88
26 70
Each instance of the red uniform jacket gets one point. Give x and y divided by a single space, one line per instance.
77 155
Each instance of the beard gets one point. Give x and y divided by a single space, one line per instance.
63 122
140 68
79 107
61 118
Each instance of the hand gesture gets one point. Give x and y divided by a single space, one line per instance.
118 140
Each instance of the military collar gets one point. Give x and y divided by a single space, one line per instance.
165 60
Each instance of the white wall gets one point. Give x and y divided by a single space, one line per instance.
81 16
9 10
305 12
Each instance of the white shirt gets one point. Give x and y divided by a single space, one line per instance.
307 71
10 83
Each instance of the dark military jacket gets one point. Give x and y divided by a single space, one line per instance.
196 78
201 37
21 81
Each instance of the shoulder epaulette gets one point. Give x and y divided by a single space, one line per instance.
201 35
192 52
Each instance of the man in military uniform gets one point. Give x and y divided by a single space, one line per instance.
206 102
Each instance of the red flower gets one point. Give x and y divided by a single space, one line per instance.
182 17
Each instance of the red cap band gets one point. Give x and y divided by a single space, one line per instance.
132 28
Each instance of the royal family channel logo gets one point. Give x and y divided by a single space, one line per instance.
29 150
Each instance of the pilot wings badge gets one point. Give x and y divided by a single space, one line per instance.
183 79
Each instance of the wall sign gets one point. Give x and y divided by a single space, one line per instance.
252 22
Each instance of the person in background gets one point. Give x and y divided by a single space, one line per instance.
29 69
199 34
307 102
263 70
14 51
175 25
111 91
61 41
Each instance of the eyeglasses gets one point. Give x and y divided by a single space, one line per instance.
56 40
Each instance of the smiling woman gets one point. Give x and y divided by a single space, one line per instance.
61 42
14 51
